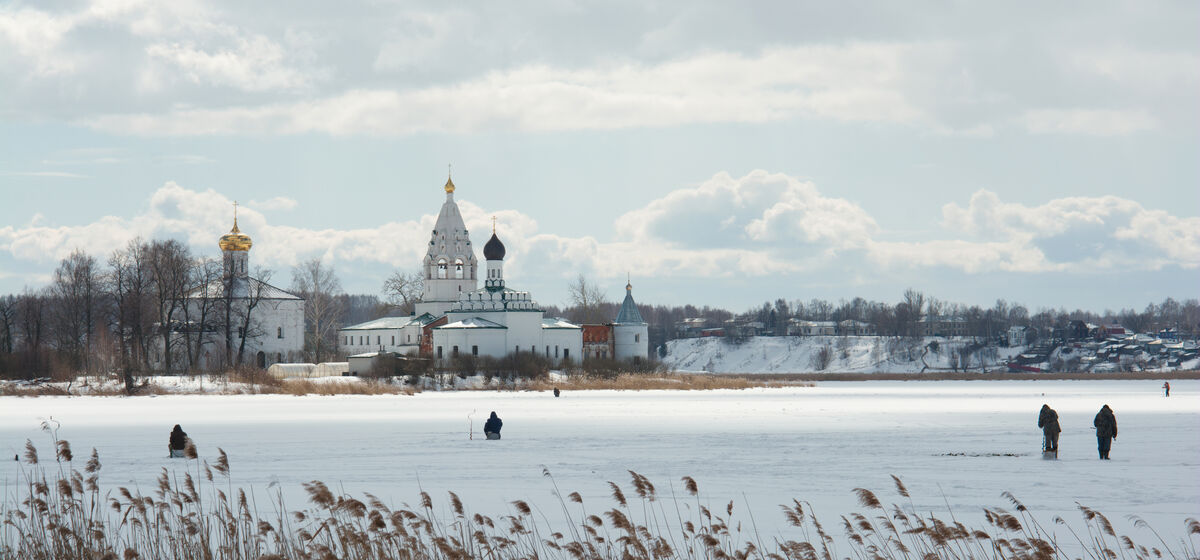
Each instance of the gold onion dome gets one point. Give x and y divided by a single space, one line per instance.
449 185
235 240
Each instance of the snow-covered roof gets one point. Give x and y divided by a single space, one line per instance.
381 323
473 323
242 288
558 323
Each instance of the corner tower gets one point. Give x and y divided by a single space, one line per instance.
449 266
630 332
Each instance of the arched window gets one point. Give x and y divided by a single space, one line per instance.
441 268
458 269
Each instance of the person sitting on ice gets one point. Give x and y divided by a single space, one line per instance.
1048 422
491 428
179 441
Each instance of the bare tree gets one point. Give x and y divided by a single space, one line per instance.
8 320
587 299
170 263
201 309
318 285
821 358
911 307
404 289
243 314
130 285
77 292
31 322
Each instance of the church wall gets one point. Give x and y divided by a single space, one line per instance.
563 342
631 341
491 342
358 341
524 330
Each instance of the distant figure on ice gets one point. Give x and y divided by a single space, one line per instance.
1166 389
1048 422
1106 430
556 391
179 441
491 428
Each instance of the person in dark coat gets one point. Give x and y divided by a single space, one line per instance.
1166 389
1048 422
491 428
556 392
1106 430
178 442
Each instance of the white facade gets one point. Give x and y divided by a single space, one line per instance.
401 335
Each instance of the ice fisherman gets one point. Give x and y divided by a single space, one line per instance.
491 428
178 442
1048 422
1106 430
556 392
1166 389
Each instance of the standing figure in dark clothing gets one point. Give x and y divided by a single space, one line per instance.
179 441
491 428
1106 430
1166 389
556 393
1048 422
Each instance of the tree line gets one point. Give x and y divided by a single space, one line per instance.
129 314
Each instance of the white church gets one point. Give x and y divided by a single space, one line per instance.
457 317
237 308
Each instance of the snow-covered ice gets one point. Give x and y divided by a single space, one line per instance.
948 441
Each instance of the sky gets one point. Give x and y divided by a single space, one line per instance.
715 153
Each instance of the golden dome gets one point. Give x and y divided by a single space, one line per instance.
449 185
235 240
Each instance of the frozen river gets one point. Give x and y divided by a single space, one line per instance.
958 442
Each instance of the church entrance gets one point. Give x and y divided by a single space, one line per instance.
262 359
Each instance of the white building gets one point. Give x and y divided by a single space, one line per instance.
401 335
238 307
497 321
492 321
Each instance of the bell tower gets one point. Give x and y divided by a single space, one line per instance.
449 267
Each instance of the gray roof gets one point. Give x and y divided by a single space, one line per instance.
558 323
391 323
473 323
629 311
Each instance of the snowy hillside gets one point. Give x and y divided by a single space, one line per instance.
848 354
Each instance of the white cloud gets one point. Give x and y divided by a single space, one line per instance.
1081 234
36 35
756 225
252 63
858 82
763 209
1094 122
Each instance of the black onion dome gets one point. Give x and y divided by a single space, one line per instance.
494 250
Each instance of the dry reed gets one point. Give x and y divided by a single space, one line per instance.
58 512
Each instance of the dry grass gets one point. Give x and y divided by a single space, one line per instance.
57 512
654 381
